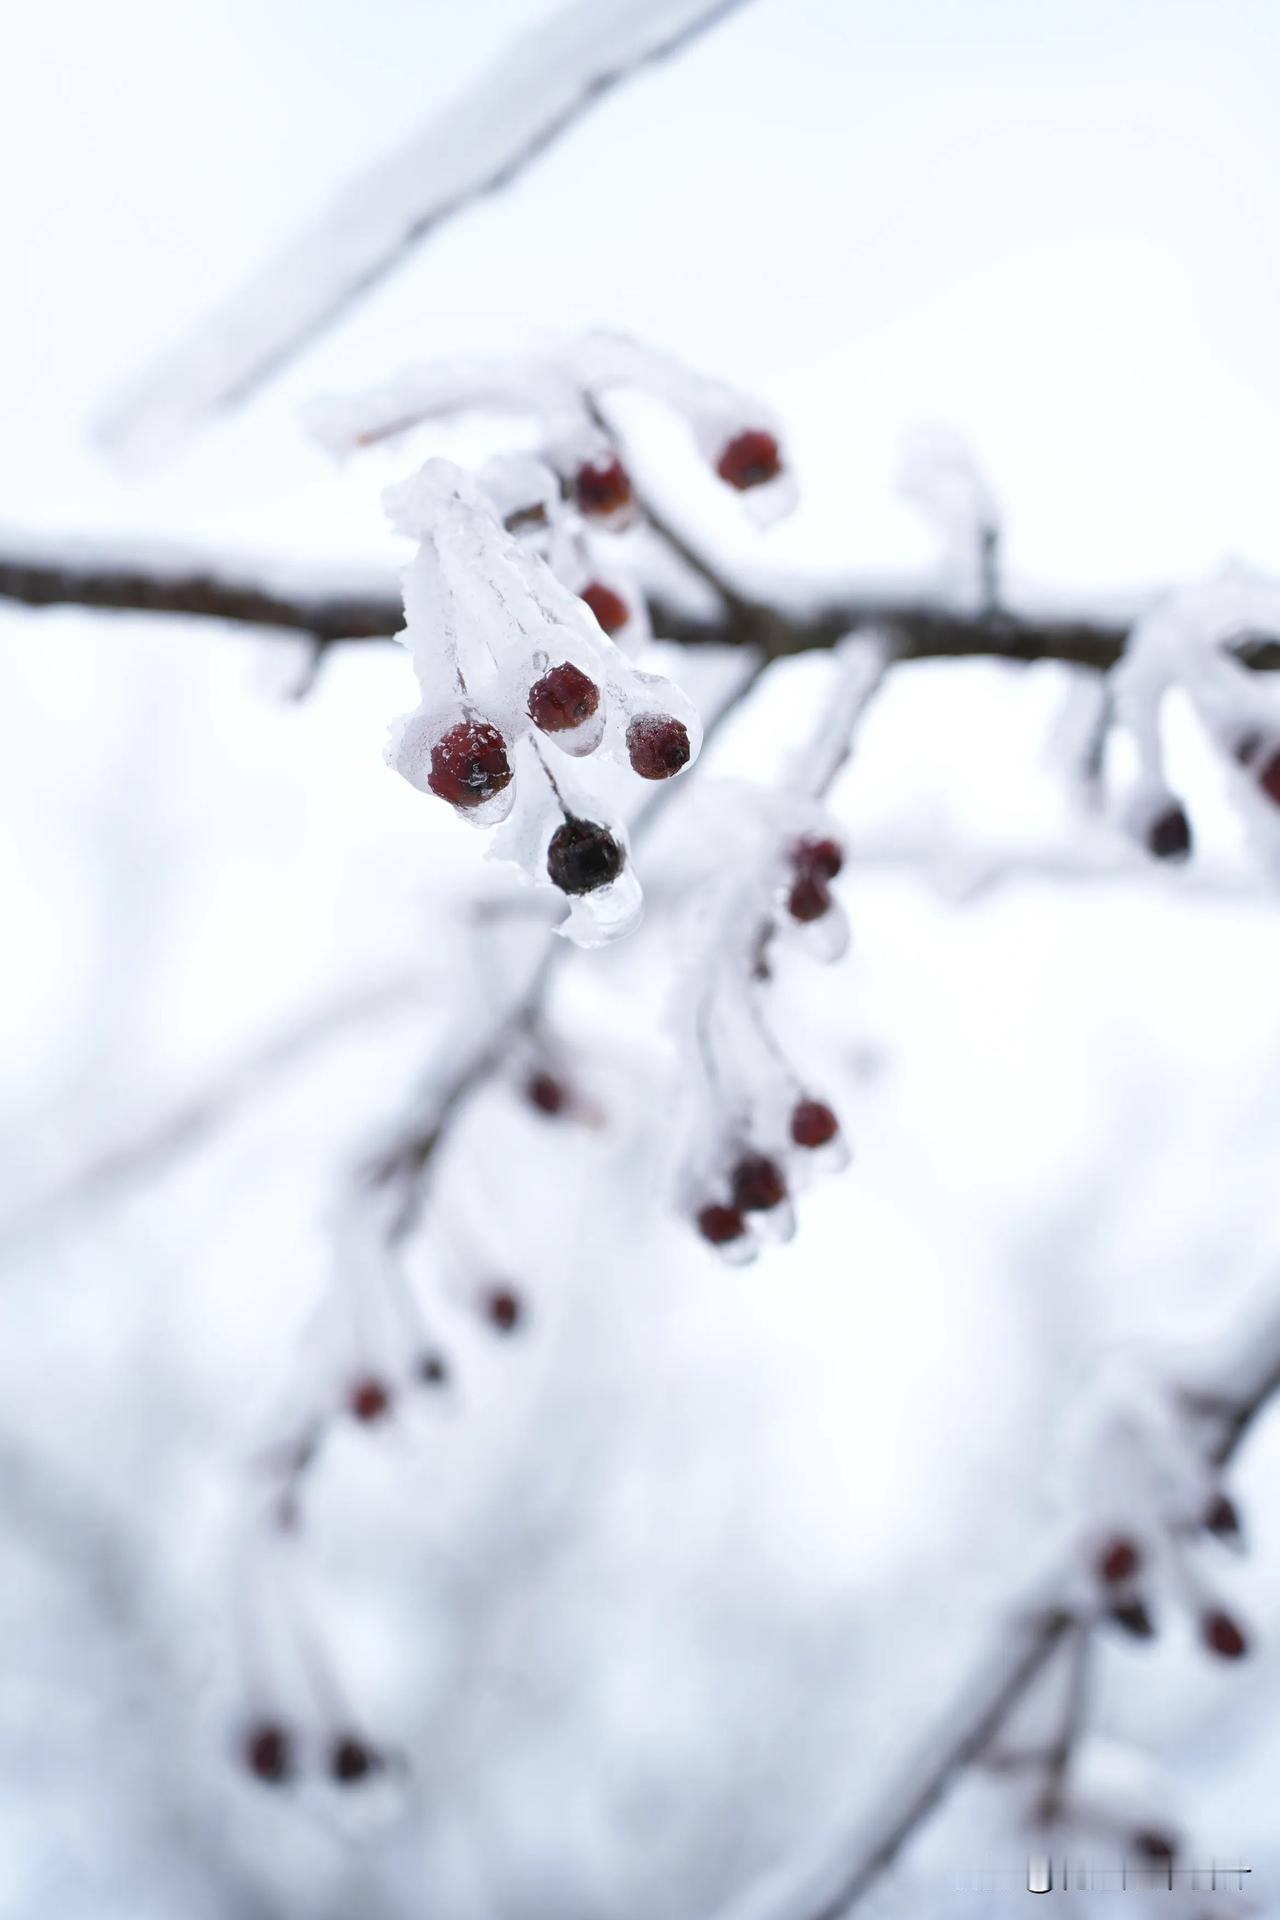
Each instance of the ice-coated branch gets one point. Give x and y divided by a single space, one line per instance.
778 618
537 90
1055 1610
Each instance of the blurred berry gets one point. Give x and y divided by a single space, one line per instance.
610 609
750 460
758 1184
813 1124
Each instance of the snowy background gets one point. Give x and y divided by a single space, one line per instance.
653 1595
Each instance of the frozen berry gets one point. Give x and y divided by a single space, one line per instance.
432 1370
824 858
813 1124
563 699
1222 1518
809 898
602 487
1133 1616
546 1093
1152 1844
658 745
1244 747
583 855
268 1753
1169 835
368 1399
469 765
720 1224
610 609
758 1184
503 1308
1223 1635
352 1760
750 459
1118 1561
1269 777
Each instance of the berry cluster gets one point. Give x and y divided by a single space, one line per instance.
1122 1570
519 680
272 1752
758 1132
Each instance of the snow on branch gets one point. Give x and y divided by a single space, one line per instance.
534 93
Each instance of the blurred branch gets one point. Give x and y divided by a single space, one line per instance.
187 1126
1036 1626
539 88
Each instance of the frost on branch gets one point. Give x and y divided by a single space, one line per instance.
519 682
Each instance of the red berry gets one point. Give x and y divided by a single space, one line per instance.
268 1753
823 858
562 699
368 1399
1223 1635
1269 777
658 745
469 765
1154 1845
809 898
813 1124
503 1307
432 1370
1222 1518
352 1760
720 1224
758 1184
1118 1561
583 855
546 1093
1169 835
750 459
610 609
602 486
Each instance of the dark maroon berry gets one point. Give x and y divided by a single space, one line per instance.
503 1309
563 699
583 855
1133 1617
1154 1845
658 745
268 1753
1222 1517
602 487
546 1093
368 1399
1223 1635
1269 777
813 1124
720 1224
610 609
1169 835
469 765
758 1184
1118 1561
750 459
824 858
1244 747
433 1370
809 898
352 1760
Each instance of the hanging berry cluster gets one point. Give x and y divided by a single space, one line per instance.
757 1131
524 625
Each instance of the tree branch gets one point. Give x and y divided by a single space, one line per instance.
530 97
776 618
1042 1625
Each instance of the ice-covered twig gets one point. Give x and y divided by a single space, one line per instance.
1056 1607
779 616
537 90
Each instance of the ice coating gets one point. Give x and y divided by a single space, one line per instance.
519 683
